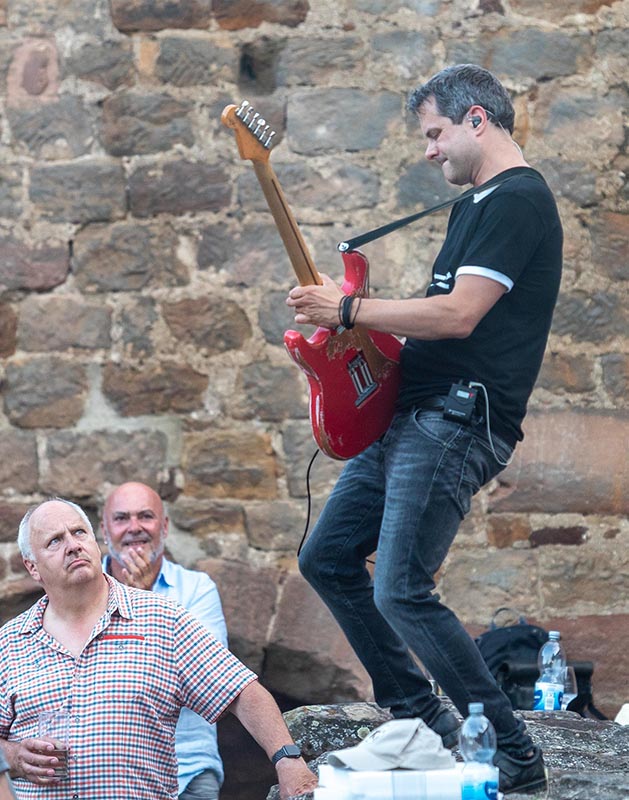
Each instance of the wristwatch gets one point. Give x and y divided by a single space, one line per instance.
288 751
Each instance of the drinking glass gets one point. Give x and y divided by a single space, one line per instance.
55 726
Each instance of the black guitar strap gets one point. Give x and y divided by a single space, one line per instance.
370 236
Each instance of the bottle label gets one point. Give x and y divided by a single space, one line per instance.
484 790
547 696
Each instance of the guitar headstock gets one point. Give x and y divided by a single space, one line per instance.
253 135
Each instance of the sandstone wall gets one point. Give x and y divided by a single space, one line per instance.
143 286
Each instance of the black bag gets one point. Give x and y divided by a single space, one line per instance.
511 651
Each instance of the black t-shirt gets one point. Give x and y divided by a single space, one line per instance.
511 233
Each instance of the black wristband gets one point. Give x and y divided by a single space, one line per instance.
346 311
287 751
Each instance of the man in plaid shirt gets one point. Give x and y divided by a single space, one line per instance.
122 662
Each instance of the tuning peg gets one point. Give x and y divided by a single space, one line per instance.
267 144
241 110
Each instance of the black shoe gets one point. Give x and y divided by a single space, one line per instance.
521 774
447 726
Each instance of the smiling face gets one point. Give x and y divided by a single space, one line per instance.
454 147
64 549
134 518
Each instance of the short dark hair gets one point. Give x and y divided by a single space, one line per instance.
457 88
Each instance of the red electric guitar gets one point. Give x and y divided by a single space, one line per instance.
353 374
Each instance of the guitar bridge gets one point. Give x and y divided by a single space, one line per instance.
362 378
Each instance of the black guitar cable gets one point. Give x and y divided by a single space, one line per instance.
309 495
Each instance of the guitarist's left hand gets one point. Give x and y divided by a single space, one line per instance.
316 305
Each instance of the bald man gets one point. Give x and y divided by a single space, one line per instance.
123 663
134 526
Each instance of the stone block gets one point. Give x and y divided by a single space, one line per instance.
60 130
234 15
474 583
570 461
616 377
540 54
278 525
215 249
596 316
178 187
559 534
591 579
33 76
562 372
137 124
43 16
590 121
555 12
109 63
329 120
421 185
203 518
8 330
236 464
248 595
11 515
312 61
18 595
137 319
10 191
574 180
504 530
427 8
270 393
61 323
82 465
153 388
408 53
610 245
213 325
18 465
127 257
155 15
86 191
308 655
275 317
44 392
195 62
258 257
33 265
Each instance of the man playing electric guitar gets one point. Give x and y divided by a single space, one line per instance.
474 346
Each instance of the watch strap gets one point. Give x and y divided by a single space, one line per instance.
287 751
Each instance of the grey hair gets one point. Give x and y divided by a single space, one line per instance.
24 529
455 89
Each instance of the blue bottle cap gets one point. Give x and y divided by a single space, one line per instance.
475 708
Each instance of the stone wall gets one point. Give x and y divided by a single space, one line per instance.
143 285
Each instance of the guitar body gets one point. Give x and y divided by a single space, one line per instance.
353 375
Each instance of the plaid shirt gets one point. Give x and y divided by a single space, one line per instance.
145 659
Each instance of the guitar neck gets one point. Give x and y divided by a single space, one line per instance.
287 226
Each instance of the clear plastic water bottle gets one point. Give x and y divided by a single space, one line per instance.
552 664
477 742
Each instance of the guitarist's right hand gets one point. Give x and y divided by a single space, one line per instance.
316 305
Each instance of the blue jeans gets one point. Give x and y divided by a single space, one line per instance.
405 496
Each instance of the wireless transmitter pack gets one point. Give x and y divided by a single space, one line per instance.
460 403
